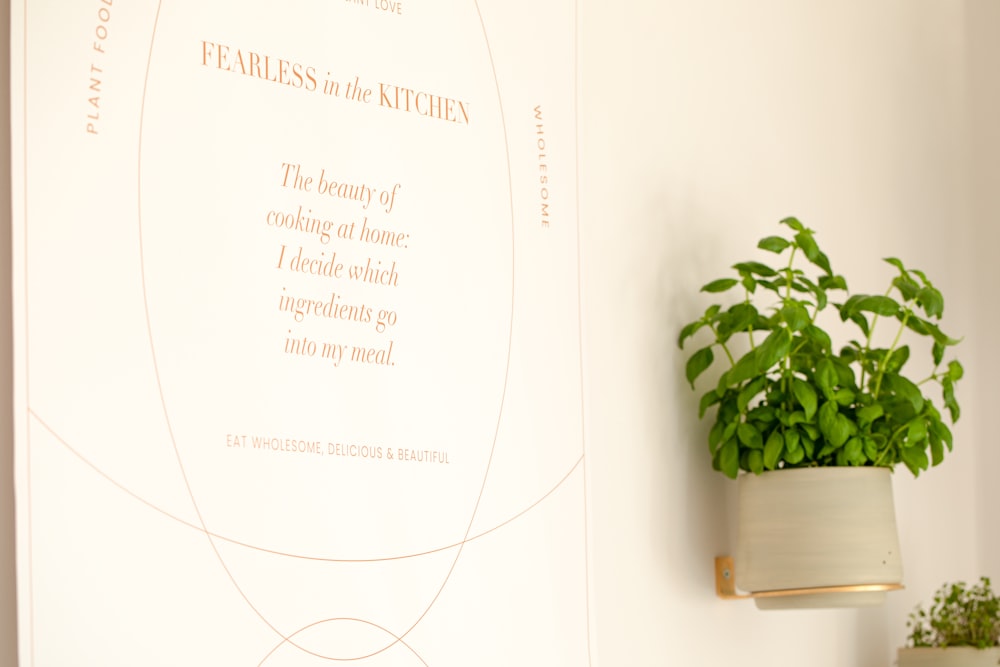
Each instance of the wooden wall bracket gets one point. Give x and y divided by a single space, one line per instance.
725 585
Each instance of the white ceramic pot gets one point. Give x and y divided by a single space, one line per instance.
817 527
956 656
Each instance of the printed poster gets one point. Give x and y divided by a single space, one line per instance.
297 333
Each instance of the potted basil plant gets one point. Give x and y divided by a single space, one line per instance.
960 629
817 426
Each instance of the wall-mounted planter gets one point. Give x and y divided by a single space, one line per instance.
954 656
817 528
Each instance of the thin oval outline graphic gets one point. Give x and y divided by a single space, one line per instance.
163 399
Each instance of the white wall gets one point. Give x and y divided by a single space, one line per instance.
703 123
982 21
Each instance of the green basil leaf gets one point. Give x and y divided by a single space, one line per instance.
915 459
843 429
774 348
794 223
826 376
808 447
773 448
748 393
907 288
775 244
698 363
880 305
898 359
740 317
798 417
854 452
905 389
806 396
828 418
870 448
812 252
755 268
922 276
793 441
820 337
937 353
937 450
729 432
849 307
707 400
925 328
941 430
795 457
916 431
745 368
932 302
862 323
750 436
895 262
688 331
795 315
833 282
869 414
720 285
844 397
715 436
835 427
948 391
729 459
765 414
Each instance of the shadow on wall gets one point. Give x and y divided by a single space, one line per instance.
8 606
693 500
872 637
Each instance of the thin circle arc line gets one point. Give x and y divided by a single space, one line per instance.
399 640
275 552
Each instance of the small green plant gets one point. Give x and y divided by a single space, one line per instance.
786 399
960 615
